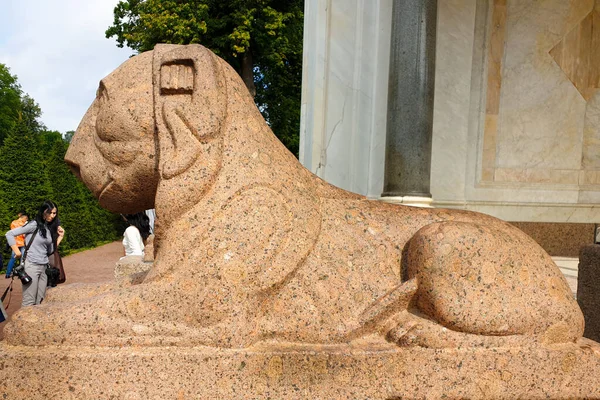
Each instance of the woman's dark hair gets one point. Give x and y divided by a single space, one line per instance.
141 222
43 226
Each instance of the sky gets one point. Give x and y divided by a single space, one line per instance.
58 51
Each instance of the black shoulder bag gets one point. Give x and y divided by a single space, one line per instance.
54 269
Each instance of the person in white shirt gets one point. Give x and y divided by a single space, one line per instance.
136 233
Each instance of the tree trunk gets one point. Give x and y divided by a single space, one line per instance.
247 72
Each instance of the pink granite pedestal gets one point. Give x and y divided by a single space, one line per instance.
362 371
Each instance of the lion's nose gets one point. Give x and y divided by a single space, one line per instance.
79 148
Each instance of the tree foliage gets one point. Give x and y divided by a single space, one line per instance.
30 114
260 39
16 106
10 101
22 175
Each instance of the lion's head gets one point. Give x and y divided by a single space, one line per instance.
153 118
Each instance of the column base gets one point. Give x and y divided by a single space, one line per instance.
414 201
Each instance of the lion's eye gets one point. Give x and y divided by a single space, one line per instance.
103 126
109 128
112 148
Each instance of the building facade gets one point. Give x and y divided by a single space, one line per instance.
516 109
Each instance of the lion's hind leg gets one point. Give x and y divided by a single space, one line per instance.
484 285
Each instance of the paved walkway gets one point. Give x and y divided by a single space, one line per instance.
96 265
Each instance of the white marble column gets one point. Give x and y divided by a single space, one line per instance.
344 92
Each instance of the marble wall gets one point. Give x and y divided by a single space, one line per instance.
517 107
538 113
533 95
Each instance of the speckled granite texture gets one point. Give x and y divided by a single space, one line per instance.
559 238
131 265
375 372
588 289
255 256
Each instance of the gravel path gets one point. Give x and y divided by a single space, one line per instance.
96 265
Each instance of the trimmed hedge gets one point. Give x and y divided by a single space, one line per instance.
32 170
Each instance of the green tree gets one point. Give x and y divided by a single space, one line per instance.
68 195
260 39
69 136
30 113
23 182
15 106
46 141
10 101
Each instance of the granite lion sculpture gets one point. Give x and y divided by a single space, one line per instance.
251 247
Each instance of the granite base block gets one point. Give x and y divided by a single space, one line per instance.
131 265
568 371
588 289
559 238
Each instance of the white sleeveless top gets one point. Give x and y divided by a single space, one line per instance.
132 242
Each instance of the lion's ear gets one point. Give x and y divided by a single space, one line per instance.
183 148
189 104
